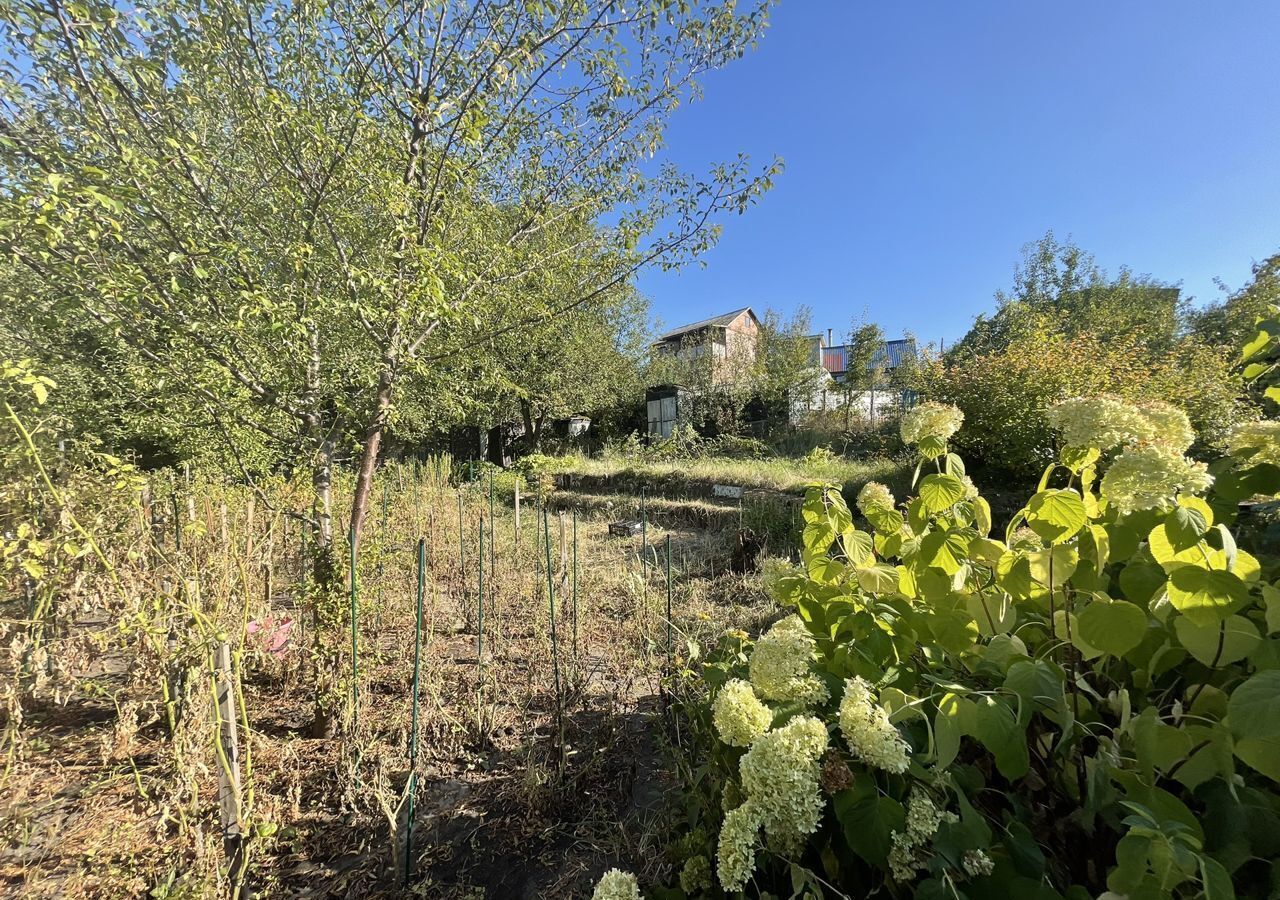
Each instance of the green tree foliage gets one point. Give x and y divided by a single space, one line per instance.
1059 288
785 370
1230 323
864 369
1005 394
287 211
1067 330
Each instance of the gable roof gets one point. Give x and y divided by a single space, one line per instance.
721 321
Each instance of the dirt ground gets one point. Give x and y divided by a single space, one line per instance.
516 796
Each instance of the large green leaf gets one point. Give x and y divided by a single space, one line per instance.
857 545
1013 573
1113 626
1219 644
1262 754
869 820
946 549
1056 515
1039 684
1205 596
1254 708
948 726
878 579
997 728
1053 566
939 492
1184 527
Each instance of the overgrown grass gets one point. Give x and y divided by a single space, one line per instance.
789 475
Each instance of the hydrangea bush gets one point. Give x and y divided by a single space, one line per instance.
1086 705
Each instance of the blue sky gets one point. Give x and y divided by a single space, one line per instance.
926 142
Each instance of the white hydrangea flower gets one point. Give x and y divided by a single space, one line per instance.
930 420
780 664
736 850
977 863
1107 422
617 885
875 495
1099 422
1149 477
868 731
695 877
780 775
1169 425
923 818
738 714
1257 442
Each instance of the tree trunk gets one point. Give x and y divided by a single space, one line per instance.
372 445
532 426
324 599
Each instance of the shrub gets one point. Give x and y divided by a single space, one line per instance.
1005 394
1086 704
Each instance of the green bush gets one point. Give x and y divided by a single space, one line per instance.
1087 705
1005 394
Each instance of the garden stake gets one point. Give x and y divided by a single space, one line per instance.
377 616
177 522
462 551
555 650
644 554
413 727
575 585
355 659
493 558
668 606
480 604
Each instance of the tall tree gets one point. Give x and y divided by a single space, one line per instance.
785 370
864 365
288 209
1060 288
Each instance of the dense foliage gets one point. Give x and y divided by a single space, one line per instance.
1067 329
1005 395
1087 704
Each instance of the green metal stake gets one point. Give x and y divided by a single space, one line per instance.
355 658
377 616
575 583
413 728
480 605
493 555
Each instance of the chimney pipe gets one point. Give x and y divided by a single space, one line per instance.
828 337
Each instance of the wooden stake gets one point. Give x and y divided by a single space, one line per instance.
229 797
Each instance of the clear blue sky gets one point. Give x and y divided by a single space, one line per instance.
926 142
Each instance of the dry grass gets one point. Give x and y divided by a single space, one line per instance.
775 473
102 800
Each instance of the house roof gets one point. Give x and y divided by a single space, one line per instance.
721 321
889 356
894 353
